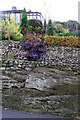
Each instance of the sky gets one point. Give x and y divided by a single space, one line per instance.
57 10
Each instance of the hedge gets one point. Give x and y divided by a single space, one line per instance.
62 41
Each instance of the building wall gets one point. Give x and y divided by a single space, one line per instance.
17 14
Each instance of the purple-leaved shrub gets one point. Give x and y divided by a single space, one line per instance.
34 45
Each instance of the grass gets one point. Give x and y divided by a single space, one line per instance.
15 98
11 56
15 77
62 105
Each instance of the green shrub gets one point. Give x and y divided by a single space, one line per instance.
10 30
35 23
24 20
11 56
50 28
39 30
36 30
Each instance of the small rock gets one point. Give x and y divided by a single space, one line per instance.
28 69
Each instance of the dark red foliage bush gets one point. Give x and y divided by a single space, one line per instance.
34 45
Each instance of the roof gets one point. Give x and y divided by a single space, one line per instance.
16 11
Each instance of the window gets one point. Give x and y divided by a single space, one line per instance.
17 17
12 15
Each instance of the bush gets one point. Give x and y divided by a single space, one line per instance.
24 20
31 29
39 30
50 28
10 30
33 45
18 36
35 23
36 30
62 41
11 56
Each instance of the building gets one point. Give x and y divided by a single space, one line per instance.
72 25
14 13
79 12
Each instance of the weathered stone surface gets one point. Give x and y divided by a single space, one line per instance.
47 71
49 99
28 69
42 78
38 81
7 82
2 68
54 56
51 82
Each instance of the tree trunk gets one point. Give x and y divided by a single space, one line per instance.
9 38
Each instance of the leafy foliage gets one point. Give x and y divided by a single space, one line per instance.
34 45
45 26
3 17
11 56
35 23
36 30
61 31
24 20
63 41
39 30
10 30
57 28
50 28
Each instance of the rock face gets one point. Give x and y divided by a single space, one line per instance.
48 71
38 81
43 78
7 82
49 84
55 56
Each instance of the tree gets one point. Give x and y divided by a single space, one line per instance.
39 30
24 20
35 23
50 28
45 26
58 28
10 30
